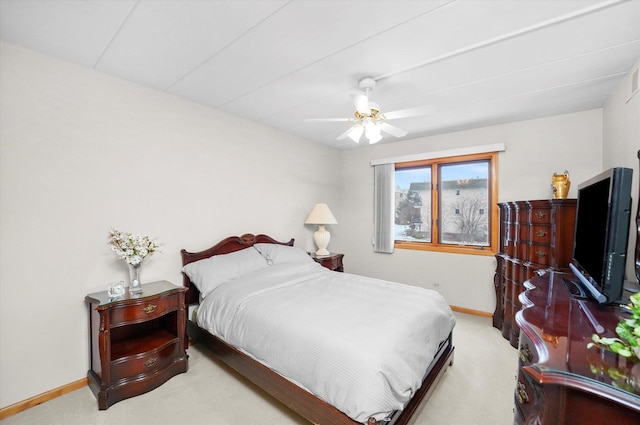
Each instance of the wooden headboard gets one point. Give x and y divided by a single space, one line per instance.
225 246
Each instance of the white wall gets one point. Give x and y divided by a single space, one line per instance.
621 145
81 152
535 149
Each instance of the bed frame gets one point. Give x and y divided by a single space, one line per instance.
299 400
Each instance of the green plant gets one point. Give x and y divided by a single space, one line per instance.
628 345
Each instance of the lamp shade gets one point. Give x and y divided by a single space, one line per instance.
320 214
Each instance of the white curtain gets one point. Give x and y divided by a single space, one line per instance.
384 200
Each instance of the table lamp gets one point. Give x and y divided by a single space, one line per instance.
321 215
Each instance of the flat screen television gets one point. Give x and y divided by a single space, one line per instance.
603 215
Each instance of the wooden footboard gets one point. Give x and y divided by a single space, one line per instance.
306 404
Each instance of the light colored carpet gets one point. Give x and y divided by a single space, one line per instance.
476 390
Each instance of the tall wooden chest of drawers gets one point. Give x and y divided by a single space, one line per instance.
534 235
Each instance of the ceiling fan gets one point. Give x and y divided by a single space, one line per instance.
368 118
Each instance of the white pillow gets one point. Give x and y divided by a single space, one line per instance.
279 254
208 273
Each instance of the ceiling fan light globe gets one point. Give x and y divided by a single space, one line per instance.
355 133
374 139
371 130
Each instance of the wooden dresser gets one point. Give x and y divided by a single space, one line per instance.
137 341
560 380
534 235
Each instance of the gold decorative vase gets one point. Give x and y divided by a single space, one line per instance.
560 184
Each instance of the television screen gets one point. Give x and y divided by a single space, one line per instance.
601 233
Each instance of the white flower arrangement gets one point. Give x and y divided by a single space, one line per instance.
131 248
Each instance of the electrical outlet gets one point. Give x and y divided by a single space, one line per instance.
436 285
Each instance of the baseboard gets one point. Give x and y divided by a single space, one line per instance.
21 406
471 311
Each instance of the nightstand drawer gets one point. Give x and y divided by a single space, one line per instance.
143 311
332 263
149 362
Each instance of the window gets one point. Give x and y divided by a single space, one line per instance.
442 204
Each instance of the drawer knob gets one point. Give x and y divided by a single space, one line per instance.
540 214
151 361
541 233
150 308
540 253
521 393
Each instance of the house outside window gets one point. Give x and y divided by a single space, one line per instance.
441 204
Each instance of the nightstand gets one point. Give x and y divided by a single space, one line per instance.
137 342
332 261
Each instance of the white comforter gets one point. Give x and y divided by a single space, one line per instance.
360 344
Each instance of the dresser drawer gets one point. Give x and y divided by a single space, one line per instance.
541 234
145 363
540 254
145 310
526 401
541 216
527 352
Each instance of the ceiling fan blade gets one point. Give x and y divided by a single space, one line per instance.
411 112
361 102
392 129
328 119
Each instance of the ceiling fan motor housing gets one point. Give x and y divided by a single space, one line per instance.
367 84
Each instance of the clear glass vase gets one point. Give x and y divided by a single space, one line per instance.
135 287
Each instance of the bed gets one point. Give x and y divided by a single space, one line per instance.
248 307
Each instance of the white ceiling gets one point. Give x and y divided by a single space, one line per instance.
278 62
